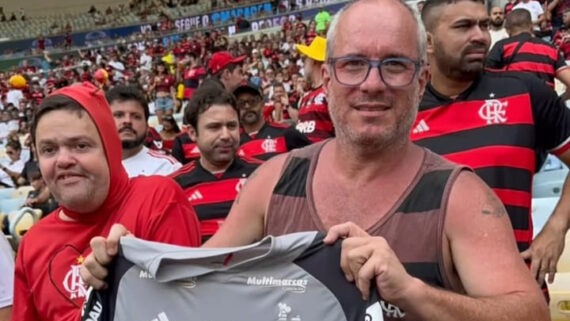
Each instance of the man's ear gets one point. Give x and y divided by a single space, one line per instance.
192 133
326 75
430 43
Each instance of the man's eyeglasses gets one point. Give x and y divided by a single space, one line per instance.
251 102
353 70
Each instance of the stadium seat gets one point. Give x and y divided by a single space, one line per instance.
6 193
22 192
21 222
11 204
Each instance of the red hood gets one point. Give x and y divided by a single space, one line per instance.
92 99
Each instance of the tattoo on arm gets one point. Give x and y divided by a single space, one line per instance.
493 206
245 184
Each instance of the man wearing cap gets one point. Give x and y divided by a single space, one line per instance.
260 139
225 70
80 159
130 111
314 119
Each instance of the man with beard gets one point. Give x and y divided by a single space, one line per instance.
212 182
441 245
562 37
314 119
524 52
130 111
260 139
496 28
496 123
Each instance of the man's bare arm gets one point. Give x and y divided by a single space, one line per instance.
5 313
245 223
486 258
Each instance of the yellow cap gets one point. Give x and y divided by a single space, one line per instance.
317 49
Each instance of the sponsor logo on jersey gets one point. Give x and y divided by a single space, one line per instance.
143 274
195 196
161 317
421 127
292 285
494 111
73 283
306 127
374 313
94 312
284 311
391 310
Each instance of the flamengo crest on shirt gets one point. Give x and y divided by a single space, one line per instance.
73 283
269 145
494 111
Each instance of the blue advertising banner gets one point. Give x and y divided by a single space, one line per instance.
94 38
279 20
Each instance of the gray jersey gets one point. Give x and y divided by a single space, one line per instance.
293 277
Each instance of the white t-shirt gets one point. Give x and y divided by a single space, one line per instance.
6 273
14 96
146 62
533 7
497 35
149 162
16 166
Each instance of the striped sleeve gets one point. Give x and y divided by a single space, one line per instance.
551 117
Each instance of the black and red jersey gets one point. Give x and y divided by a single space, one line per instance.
212 195
184 149
498 126
270 140
37 97
314 119
529 54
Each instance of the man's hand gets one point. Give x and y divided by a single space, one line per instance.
342 231
31 202
365 258
93 270
370 258
545 251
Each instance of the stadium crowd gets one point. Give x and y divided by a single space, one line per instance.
209 110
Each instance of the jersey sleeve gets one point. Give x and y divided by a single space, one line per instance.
561 61
24 308
295 139
177 150
7 274
551 118
177 224
495 57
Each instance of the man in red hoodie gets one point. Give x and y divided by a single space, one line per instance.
79 154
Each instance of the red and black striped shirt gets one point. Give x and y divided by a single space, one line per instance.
497 127
212 195
272 139
184 149
314 119
535 56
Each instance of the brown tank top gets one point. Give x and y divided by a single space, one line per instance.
413 227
